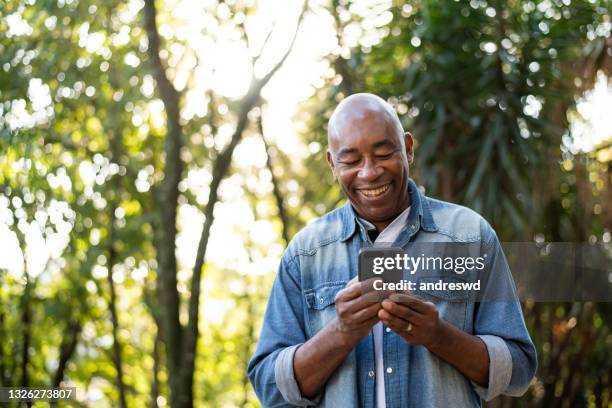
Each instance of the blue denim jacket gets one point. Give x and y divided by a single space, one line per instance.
319 262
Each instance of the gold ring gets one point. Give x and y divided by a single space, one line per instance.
409 327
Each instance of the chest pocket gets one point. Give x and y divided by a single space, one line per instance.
321 304
451 304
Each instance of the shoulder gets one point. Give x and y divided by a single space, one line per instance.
459 222
322 231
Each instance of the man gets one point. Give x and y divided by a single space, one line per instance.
325 343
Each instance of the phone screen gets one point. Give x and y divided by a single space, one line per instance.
379 262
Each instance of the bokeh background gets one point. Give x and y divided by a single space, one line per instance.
157 156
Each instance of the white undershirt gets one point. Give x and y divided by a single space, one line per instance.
388 235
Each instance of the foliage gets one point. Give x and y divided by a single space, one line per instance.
485 89
95 123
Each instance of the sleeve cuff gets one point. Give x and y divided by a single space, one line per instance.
500 368
285 378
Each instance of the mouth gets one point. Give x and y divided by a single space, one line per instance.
374 192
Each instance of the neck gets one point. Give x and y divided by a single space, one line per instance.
381 225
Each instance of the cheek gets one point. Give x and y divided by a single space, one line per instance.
399 171
346 178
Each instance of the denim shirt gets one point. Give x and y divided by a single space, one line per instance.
319 262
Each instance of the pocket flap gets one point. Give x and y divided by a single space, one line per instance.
324 295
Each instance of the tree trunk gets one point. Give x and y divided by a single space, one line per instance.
3 378
181 343
26 321
278 195
66 351
167 202
67 348
155 380
112 305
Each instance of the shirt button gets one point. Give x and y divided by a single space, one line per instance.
370 373
388 329
413 226
389 370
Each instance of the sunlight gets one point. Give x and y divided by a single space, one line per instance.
593 123
232 73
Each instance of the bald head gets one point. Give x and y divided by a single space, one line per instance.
359 107
370 156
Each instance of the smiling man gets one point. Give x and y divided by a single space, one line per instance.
325 342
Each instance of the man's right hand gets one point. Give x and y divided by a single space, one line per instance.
357 307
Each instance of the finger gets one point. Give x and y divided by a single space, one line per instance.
362 302
393 321
412 302
402 311
348 293
354 288
407 292
366 313
375 296
401 328
368 284
369 323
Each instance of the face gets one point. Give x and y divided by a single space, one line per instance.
370 162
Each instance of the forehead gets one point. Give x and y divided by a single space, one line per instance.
363 130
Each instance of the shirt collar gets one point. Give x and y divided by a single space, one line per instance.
419 212
391 231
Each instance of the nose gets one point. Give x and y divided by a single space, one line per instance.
370 171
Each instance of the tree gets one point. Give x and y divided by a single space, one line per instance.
181 341
113 126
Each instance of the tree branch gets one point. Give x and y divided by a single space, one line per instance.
265 42
67 348
166 88
278 196
340 64
220 169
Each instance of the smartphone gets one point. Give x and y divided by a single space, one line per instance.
381 262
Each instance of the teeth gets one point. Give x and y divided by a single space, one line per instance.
375 192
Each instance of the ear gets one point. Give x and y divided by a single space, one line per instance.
330 161
409 142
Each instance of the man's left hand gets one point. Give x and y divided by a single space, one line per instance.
414 320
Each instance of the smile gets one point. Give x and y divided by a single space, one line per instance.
375 192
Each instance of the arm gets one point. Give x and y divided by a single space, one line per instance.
472 361
317 359
283 330
289 368
500 358
499 322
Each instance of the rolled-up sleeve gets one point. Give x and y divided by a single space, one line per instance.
500 368
270 370
285 378
500 324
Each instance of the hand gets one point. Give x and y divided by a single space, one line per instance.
357 307
401 311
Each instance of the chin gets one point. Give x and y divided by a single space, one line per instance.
378 216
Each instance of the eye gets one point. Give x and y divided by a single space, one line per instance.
385 156
350 162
